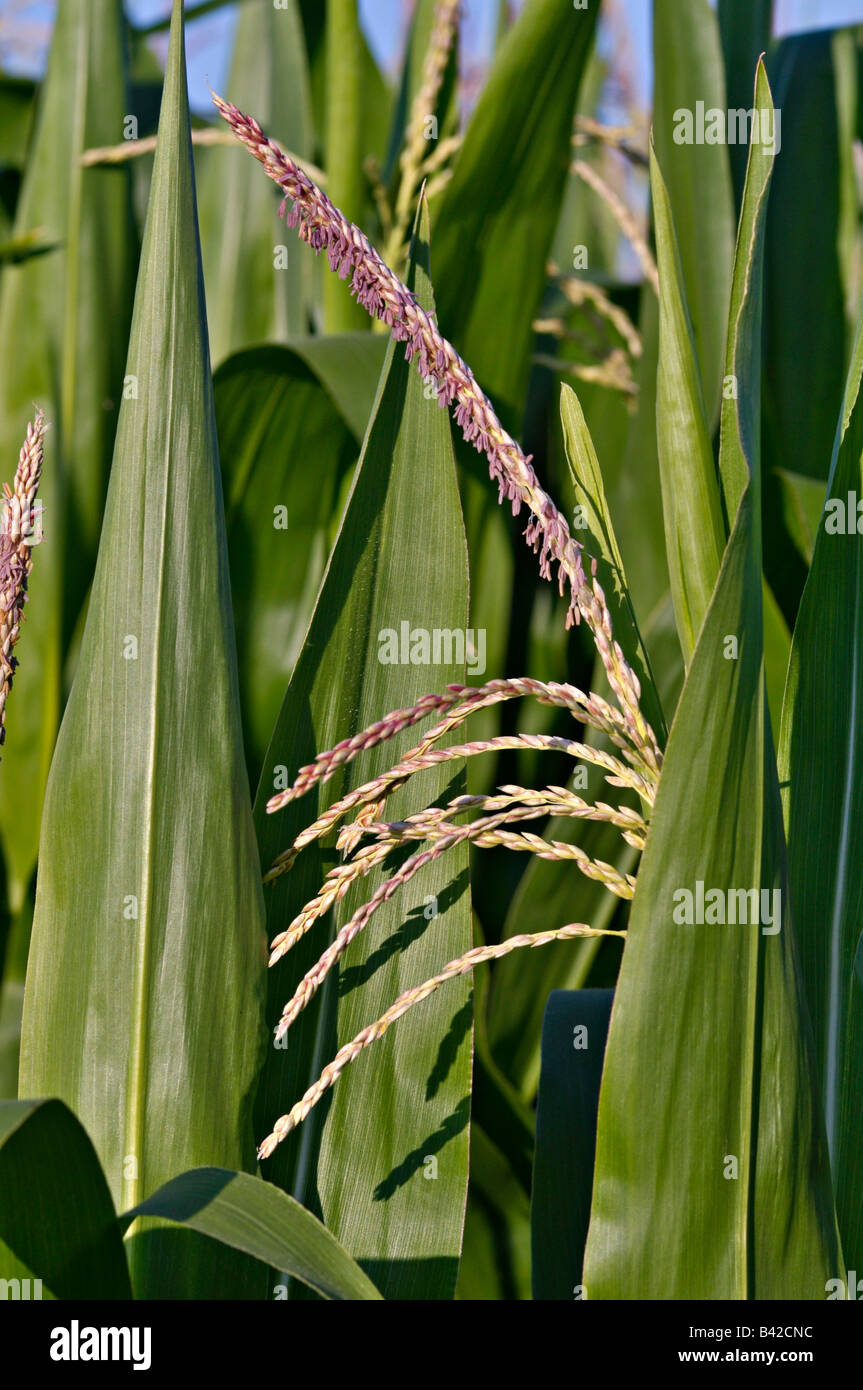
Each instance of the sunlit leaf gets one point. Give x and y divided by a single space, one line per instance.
146 965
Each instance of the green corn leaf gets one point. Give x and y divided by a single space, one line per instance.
64 319
802 504
689 79
805 332
586 222
740 439
495 1104
349 367
57 1220
694 530
16 120
274 416
523 982
25 247
735 1203
247 1214
399 557
146 966
821 769
846 78
496 220
495 1262
345 178
807 327
574 1032
597 536
744 27
195 10
492 575
14 971
257 287
377 104
777 653
633 484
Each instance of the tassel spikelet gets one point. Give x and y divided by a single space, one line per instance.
17 537
636 761
347 1054
382 294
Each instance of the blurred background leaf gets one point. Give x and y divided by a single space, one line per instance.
495 224
257 276
286 442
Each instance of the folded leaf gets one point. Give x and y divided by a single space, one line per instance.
57 1220
253 1216
574 1031
596 534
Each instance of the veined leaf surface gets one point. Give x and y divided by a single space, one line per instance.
399 558
821 770
146 967
709 1116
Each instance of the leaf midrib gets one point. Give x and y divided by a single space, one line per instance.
136 1086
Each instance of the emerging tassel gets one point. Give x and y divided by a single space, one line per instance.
17 537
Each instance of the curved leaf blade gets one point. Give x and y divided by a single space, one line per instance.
600 543
57 1220
253 1216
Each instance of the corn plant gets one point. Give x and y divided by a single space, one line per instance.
598 916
